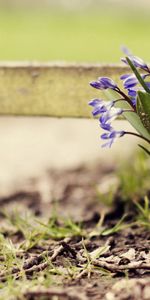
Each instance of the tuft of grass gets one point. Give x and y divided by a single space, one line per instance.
143 217
133 185
28 234
120 225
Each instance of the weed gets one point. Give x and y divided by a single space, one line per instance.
143 217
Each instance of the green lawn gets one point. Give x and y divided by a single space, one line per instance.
91 37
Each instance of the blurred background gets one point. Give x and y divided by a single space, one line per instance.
72 31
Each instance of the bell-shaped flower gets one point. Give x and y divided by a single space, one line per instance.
111 137
104 83
100 106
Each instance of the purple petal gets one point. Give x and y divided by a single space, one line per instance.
131 93
96 85
105 136
126 51
106 126
100 106
137 62
108 144
122 77
98 110
95 102
111 137
107 82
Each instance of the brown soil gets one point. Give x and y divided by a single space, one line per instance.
121 272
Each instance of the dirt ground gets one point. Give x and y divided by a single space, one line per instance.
91 265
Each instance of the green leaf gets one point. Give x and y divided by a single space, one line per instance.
143 108
119 226
132 118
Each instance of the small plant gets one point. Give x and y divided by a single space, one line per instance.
134 178
143 217
133 102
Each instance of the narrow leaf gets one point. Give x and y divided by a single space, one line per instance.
138 76
143 108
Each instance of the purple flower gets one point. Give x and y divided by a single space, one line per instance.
107 110
111 137
106 126
126 51
110 115
100 106
129 83
132 93
104 83
137 62
130 80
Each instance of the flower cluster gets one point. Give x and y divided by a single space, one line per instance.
136 94
107 113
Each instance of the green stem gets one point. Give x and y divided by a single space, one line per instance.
126 98
138 135
146 150
138 76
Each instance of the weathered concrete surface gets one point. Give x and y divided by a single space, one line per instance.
57 90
